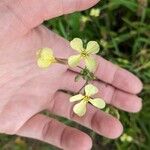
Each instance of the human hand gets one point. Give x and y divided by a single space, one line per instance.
26 90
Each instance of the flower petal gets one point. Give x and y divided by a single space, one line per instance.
92 47
77 44
43 63
90 90
80 108
98 102
76 98
74 60
44 53
90 63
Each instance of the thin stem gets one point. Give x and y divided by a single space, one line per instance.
80 67
67 92
83 87
62 61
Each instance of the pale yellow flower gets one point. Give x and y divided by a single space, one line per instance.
95 12
85 19
85 54
45 57
126 138
80 108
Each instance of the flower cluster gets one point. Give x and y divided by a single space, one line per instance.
45 58
95 12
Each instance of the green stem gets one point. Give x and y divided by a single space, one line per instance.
62 61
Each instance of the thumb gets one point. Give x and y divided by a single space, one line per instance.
29 14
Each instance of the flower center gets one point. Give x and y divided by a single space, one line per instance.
86 98
49 59
84 54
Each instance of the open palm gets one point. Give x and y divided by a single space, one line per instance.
26 90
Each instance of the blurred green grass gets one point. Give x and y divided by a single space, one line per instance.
123 31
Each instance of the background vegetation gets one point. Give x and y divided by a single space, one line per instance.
123 31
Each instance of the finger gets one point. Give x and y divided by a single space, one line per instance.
95 119
29 14
53 132
122 100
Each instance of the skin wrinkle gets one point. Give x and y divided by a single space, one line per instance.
39 31
98 65
45 130
17 16
113 96
104 94
62 6
51 104
92 121
71 113
108 89
62 136
28 71
114 76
